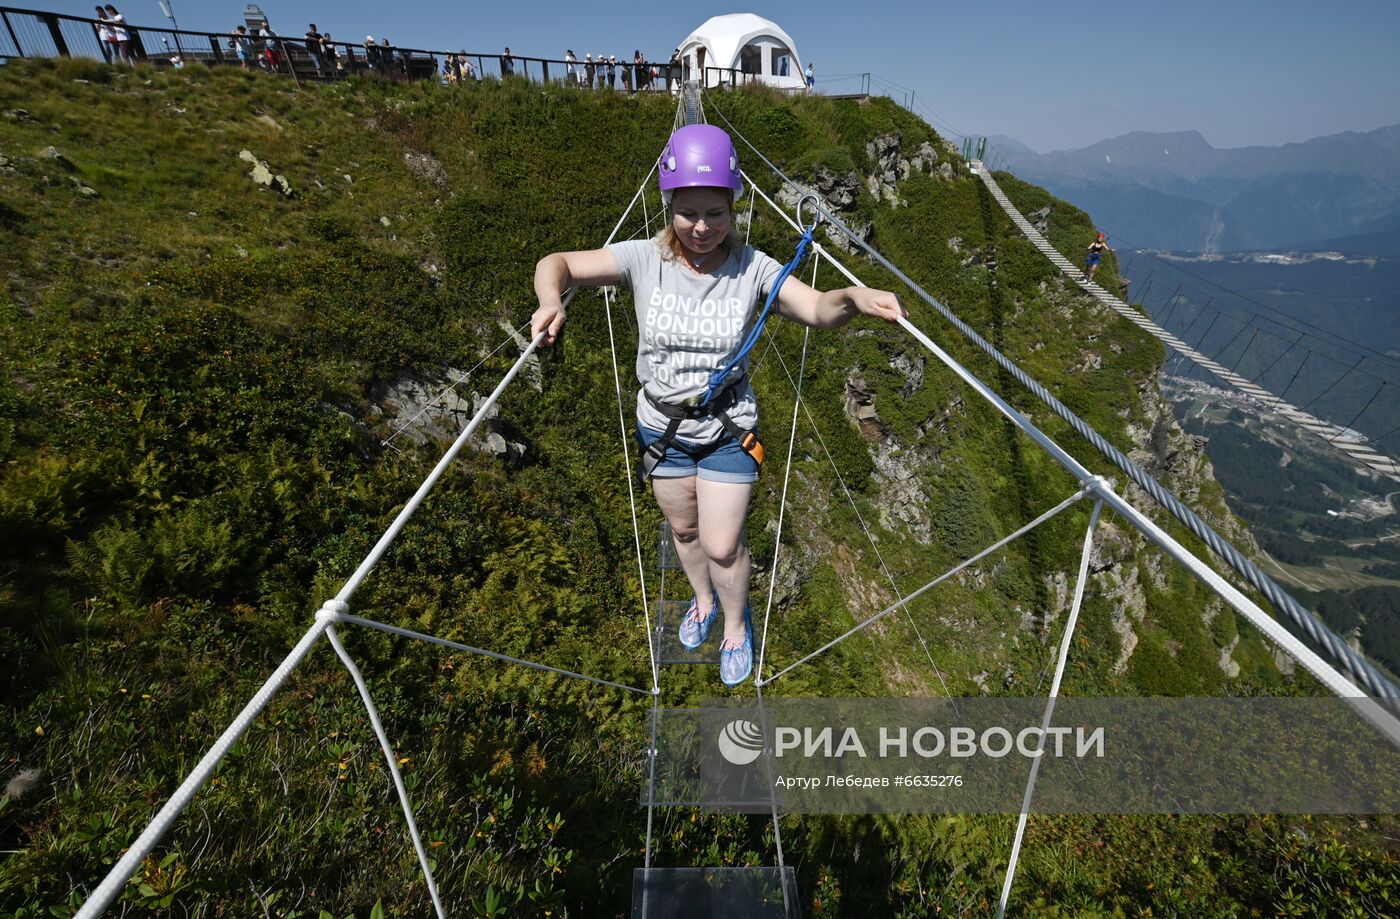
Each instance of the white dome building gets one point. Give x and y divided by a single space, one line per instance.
744 42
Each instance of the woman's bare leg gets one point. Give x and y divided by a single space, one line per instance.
722 508
678 503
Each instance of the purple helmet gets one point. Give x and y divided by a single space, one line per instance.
699 156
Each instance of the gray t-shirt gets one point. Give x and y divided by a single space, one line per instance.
690 324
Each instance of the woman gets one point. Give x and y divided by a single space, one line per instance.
242 45
1096 250
120 36
107 40
697 290
387 64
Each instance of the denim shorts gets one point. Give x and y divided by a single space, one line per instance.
721 461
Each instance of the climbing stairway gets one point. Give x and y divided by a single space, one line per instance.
1353 445
746 892
691 94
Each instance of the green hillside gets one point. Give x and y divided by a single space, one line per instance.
193 415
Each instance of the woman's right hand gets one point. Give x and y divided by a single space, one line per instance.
555 274
549 319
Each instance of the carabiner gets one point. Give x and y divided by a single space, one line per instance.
816 209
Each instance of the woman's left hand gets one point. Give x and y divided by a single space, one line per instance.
881 304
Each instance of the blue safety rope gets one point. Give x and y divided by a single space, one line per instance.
719 377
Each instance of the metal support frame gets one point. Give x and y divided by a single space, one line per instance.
59 42
19 49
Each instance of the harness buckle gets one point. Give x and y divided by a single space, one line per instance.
752 446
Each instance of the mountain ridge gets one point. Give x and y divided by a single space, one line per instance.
1174 190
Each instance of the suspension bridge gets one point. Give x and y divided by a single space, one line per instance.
1354 446
1340 669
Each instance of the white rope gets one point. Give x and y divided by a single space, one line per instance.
632 497
1065 641
461 378
772 582
772 798
380 547
117 877
748 226
869 537
860 518
787 470
495 655
652 753
866 623
782 506
392 760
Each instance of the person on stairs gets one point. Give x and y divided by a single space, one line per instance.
1096 251
697 290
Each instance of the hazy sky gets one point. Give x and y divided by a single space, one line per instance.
1052 75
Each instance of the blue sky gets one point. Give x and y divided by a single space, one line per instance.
1052 75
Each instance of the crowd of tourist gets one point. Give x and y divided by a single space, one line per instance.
258 45
265 49
602 71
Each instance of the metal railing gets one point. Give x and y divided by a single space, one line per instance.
26 33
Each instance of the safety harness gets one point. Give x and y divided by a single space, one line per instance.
723 388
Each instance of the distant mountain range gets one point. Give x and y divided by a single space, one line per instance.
1176 191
